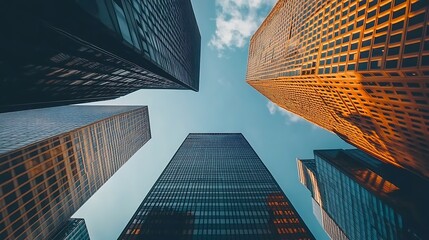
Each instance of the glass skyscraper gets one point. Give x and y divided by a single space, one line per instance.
359 197
359 69
54 159
73 229
73 51
216 187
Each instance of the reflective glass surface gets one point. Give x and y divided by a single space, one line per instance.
216 187
360 197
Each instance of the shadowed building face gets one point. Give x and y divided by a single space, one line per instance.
57 53
73 229
216 187
357 68
54 159
359 197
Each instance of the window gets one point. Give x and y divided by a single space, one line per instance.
383 19
417 33
370 14
27 197
398 13
351 67
377 51
123 25
364 54
346 39
366 43
413 85
425 60
385 7
395 38
337 50
375 64
363 66
380 39
398 25
359 23
393 51
412 48
397 2
25 188
418 5
416 19
369 25
426 46
391 63
8 187
409 62
22 179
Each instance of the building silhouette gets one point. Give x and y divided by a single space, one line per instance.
57 53
216 187
359 69
73 229
54 159
356 196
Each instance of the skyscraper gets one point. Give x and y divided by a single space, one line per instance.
73 229
52 160
359 197
216 187
357 68
56 53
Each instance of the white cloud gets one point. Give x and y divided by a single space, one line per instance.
236 21
290 117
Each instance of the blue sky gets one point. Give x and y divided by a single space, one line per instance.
225 103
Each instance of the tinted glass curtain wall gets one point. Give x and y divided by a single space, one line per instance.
216 187
54 159
359 197
73 51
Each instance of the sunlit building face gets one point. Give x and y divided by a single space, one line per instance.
357 68
52 160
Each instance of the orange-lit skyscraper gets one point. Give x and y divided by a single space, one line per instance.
54 159
357 68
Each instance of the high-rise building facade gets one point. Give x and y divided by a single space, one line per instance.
56 53
73 229
357 68
216 187
54 159
359 197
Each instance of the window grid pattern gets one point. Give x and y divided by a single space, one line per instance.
334 68
113 48
44 183
216 187
365 198
74 229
